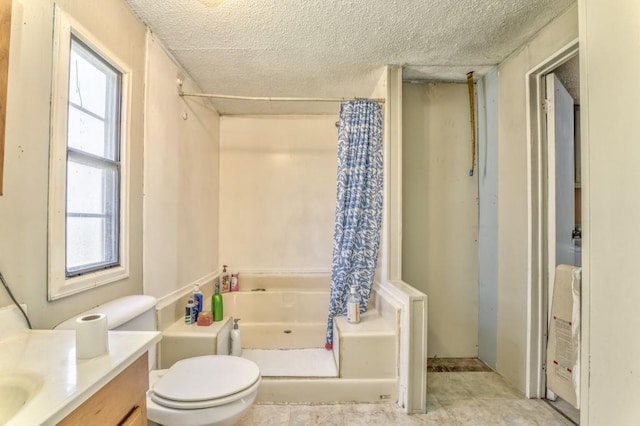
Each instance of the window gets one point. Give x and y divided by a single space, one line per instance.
93 163
88 187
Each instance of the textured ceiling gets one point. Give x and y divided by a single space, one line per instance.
335 48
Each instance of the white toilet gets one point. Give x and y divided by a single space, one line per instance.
198 391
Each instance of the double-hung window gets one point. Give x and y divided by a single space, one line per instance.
87 214
93 163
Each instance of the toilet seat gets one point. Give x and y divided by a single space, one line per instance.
206 381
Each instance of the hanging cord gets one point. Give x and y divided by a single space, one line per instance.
6 286
472 116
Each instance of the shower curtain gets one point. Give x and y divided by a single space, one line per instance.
356 236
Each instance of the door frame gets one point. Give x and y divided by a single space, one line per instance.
537 220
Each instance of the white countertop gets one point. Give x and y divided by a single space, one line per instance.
67 382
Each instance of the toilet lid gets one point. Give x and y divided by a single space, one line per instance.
206 378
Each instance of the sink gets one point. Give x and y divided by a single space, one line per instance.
16 389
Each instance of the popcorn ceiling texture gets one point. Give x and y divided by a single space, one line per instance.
336 47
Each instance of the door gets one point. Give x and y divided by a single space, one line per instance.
559 108
561 179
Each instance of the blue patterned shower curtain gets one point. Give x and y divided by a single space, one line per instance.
356 236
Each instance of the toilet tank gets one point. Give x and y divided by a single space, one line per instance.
132 313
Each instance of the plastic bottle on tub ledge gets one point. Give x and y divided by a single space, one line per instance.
235 283
225 280
216 304
353 306
190 313
236 342
197 300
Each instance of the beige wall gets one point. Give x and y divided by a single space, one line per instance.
277 192
180 182
513 243
610 64
23 207
440 214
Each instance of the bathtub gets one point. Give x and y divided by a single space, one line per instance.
290 312
280 311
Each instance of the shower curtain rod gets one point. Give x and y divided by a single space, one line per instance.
272 99
276 99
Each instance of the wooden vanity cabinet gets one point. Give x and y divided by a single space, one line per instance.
122 401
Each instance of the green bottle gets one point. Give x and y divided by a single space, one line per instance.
216 304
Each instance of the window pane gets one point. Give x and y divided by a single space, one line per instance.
86 243
92 216
94 92
86 133
91 189
87 83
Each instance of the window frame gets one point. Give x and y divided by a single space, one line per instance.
59 284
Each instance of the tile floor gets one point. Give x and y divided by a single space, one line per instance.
462 398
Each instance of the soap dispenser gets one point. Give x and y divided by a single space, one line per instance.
353 306
236 343
225 285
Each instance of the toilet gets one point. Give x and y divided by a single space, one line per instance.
199 391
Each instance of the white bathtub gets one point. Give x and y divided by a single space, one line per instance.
298 304
280 311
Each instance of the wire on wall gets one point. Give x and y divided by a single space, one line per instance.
472 116
6 286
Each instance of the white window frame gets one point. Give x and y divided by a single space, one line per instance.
59 284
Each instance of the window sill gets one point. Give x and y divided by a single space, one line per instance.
69 286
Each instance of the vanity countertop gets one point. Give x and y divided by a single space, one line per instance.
66 382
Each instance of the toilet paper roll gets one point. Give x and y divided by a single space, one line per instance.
92 339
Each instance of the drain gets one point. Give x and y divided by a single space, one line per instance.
287 332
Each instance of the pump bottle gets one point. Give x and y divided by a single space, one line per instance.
353 306
226 280
236 342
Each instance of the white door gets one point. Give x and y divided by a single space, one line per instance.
560 121
561 198
561 179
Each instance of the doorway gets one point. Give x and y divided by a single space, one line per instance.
554 199
561 119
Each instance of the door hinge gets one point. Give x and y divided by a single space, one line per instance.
546 106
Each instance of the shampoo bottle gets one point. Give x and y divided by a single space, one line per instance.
216 304
225 280
353 306
189 314
197 300
235 284
236 343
